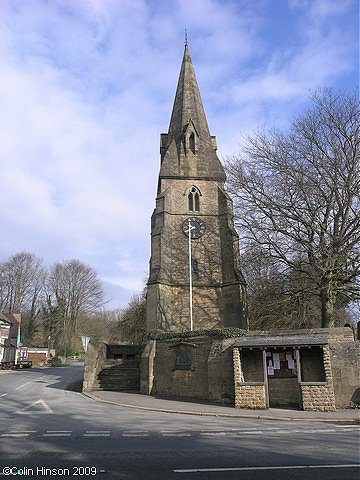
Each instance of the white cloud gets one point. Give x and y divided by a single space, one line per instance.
319 10
87 87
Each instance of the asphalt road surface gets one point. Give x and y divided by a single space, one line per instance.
47 431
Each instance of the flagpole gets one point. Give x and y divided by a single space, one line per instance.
190 278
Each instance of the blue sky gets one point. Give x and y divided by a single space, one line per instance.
86 88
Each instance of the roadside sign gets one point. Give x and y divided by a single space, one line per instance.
85 342
4 331
23 353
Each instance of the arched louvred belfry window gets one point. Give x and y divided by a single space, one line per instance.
194 200
197 202
192 142
191 202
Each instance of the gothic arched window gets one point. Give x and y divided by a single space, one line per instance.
194 199
192 142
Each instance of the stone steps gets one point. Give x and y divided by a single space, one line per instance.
117 386
115 376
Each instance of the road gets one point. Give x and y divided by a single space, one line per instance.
45 426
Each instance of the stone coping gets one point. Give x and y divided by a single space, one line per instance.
288 341
314 383
250 383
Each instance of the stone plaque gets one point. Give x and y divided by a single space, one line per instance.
183 357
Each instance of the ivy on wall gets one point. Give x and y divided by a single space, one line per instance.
227 332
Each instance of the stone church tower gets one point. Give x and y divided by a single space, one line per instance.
191 187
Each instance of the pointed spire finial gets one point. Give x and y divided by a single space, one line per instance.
186 38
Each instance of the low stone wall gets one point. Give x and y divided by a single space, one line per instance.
211 369
147 368
208 376
284 392
186 383
94 358
317 396
250 395
112 367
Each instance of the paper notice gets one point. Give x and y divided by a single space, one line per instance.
270 370
291 364
276 360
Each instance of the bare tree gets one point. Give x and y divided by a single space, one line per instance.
74 291
296 195
130 324
281 298
22 278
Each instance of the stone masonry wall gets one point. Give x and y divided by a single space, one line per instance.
284 392
247 394
218 287
250 395
94 358
173 307
210 377
147 368
221 372
345 366
320 395
317 397
192 383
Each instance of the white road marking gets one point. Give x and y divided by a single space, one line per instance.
250 432
27 383
347 427
4 394
176 434
214 430
244 469
325 430
171 431
289 432
14 434
213 433
135 434
57 434
27 410
135 431
97 433
24 431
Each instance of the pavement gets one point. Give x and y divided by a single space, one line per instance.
169 405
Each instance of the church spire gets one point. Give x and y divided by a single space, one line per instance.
189 137
188 104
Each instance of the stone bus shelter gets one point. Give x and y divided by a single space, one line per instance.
284 371
306 369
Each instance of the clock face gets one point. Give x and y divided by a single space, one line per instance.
197 227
